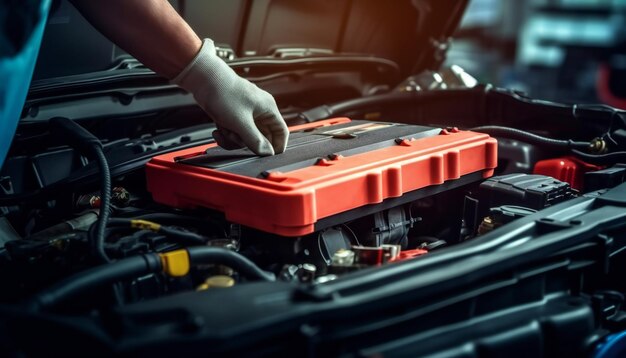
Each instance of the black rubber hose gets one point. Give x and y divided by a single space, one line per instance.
99 276
214 255
518 134
137 266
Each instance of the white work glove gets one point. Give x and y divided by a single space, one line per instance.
245 115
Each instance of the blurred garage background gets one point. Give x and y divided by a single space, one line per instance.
564 50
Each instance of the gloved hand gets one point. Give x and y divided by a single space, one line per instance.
244 114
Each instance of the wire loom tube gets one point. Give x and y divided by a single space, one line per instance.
105 211
85 142
136 266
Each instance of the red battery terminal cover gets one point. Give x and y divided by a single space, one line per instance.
567 169
289 202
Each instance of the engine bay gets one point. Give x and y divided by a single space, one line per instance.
347 195
351 203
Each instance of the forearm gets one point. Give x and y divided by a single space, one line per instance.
150 30
153 32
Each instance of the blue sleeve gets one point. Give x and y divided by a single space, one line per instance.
16 71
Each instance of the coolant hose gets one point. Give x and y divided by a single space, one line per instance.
98 276
137 266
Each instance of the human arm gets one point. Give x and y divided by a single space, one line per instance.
154 33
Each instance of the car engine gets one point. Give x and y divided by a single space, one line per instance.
348 198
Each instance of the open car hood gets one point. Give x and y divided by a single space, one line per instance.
412 33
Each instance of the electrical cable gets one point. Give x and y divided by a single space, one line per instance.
105 206
356 238
182 220
183 237
575 147
517 134
601 159
86 143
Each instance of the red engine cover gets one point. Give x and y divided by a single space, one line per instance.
295 190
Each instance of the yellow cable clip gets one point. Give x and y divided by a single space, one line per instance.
175 263
145 225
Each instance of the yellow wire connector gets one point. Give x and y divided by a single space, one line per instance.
145 225
175 263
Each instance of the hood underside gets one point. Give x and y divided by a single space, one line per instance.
412 33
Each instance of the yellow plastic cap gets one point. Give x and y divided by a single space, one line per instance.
175 263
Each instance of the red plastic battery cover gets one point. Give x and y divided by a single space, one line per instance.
363 163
